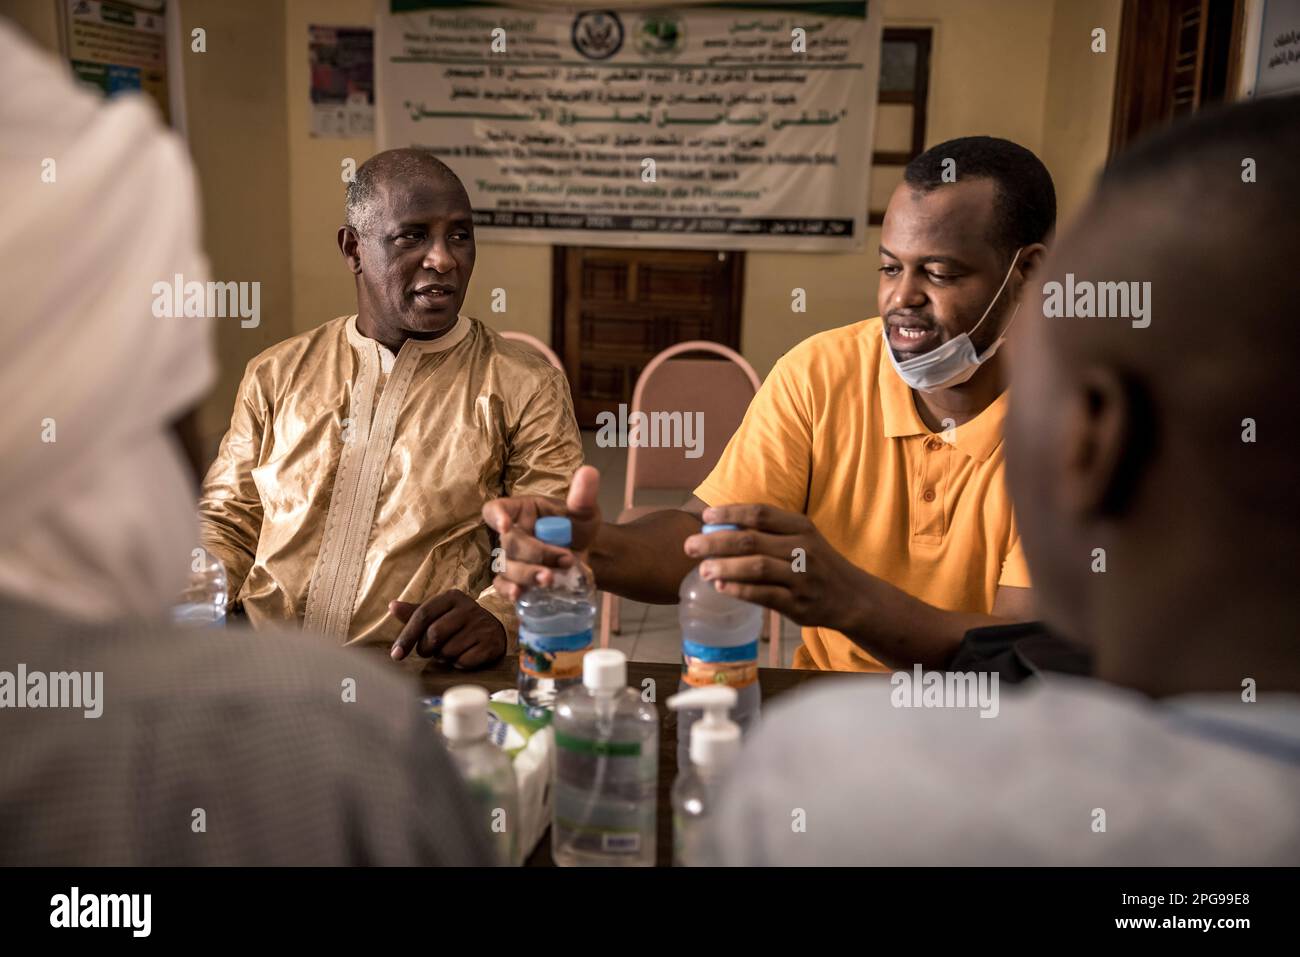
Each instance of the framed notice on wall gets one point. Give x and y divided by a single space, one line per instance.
119 46
1271 61
705 126
342 61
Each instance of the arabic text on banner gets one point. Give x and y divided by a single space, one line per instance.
691 127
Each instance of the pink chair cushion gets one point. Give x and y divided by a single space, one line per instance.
720 390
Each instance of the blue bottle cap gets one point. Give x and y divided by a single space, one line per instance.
554 530
710 529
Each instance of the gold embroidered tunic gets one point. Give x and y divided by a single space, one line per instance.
351 476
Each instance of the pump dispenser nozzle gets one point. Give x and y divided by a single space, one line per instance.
715 738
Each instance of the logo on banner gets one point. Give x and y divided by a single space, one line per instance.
597 34
660 35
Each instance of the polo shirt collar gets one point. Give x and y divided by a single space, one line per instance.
977 438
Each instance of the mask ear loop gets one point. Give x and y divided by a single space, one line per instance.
996 296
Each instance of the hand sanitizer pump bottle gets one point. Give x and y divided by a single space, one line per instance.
715 742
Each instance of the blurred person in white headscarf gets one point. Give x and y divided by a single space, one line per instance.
115 726
96 517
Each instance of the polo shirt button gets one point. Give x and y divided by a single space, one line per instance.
934 444
928 495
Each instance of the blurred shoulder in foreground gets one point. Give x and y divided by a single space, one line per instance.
215 748
844 776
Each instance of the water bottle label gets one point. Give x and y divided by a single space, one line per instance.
574 642
627 842
706 665
612 749
552 656
608 838
746 652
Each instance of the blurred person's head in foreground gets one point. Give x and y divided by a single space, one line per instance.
1163 441
1164 449
128 741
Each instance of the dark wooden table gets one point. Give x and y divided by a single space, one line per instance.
773 681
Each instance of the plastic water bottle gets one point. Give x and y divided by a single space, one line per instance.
554 624
488 772
606 769
203 602
715 742
719 647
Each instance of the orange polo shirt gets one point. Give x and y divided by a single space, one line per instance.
834 434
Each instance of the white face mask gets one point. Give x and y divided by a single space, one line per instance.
955 361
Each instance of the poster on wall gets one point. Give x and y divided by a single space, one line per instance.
1272 61
342 81
728 126
119 46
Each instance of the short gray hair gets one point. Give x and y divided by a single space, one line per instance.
363 191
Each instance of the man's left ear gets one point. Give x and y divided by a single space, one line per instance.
350 247
1111 436
1030 261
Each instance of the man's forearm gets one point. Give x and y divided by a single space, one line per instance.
900 630
643 560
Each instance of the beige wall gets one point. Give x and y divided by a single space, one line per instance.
273 195
236 117
1019 69
38 18
1080 92
323 286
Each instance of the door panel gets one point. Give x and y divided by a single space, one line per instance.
615 309
1175 57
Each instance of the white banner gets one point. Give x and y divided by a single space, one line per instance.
1271 51
707 127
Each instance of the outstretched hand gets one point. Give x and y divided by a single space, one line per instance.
529 561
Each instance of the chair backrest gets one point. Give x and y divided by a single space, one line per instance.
720 389
537 344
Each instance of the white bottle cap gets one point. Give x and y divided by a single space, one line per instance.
604 669
465 713
715 738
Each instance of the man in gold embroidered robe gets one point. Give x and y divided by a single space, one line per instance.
346 495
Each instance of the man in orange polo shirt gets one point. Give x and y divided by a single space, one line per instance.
867 476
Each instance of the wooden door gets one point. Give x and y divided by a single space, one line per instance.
1175 57
615 309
